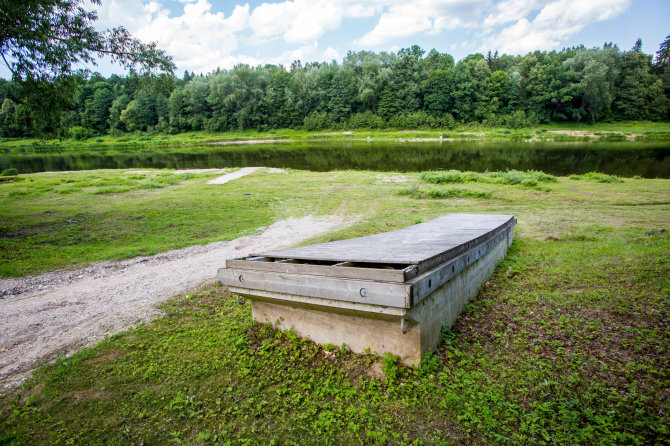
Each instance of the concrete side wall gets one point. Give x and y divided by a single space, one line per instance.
359 333
443 306
364 330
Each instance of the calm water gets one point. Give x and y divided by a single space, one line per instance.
647 159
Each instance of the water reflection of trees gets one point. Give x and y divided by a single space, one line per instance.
648 159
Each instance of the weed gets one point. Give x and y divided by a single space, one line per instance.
597 177
391 367
443 193
528 179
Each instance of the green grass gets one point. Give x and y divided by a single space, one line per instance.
566 344
641 130
61 220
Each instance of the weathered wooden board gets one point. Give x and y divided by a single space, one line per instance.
351 290
426 283
345 271
434 241
324 285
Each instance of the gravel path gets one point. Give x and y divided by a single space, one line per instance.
58 313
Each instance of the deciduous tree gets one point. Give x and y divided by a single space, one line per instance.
43 42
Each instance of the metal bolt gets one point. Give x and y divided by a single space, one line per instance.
404 326
364 292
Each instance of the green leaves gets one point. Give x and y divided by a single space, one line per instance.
44 42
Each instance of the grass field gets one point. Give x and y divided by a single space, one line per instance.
642 130
566 344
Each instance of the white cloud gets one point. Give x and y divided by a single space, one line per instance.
132 14
296 21
512 10
198 39
554 23
305 53
403 19
331 53
201 38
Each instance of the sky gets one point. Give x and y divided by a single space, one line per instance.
202 35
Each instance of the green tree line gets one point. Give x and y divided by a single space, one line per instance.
407 89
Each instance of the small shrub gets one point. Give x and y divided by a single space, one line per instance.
529 182
448 176
458 193
598 177
367 120
513 177
80 133
541 176
318 121
11 172
531 178
516 120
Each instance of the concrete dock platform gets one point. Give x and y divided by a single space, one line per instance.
389 292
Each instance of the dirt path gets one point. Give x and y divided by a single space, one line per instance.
58 313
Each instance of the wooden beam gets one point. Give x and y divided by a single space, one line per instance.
351 290
428 282
382 275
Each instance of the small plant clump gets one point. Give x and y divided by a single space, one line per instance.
11 172
597 177
530 179
452 192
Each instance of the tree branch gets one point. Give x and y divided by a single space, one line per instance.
8 64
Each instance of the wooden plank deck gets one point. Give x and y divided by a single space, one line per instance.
413 245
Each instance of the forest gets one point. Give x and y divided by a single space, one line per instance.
410 88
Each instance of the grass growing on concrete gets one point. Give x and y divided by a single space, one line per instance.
566 344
